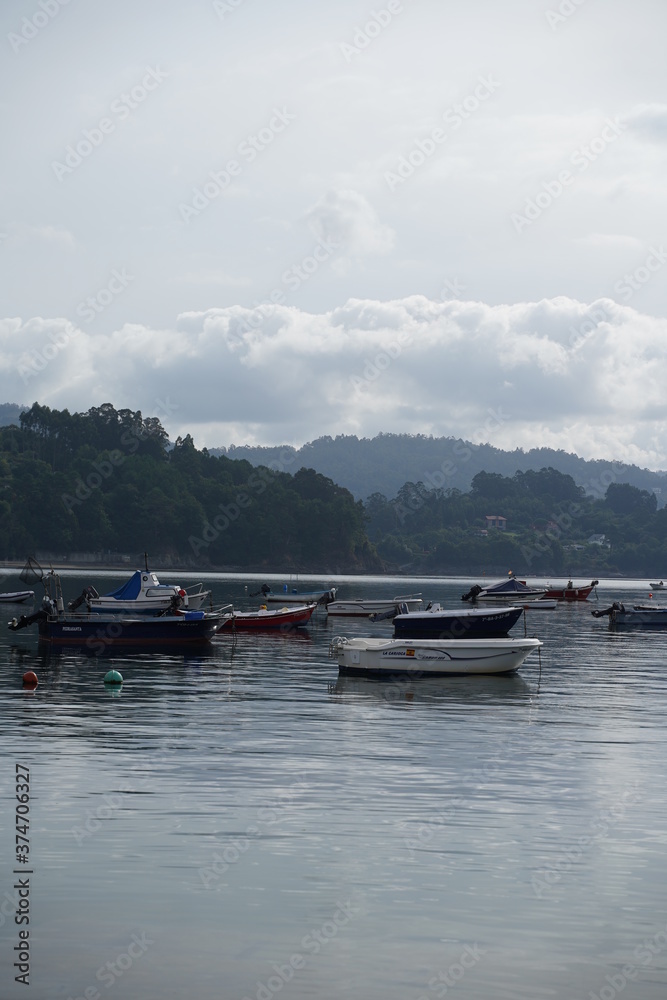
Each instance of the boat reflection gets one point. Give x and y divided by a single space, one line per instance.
496 688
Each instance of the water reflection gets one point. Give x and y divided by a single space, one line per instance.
401 688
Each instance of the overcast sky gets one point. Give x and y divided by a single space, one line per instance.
265 222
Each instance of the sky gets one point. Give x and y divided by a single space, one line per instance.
268 222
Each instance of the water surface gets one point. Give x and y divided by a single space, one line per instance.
243 822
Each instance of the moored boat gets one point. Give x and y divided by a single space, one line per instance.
283 619
470 623
430 657
511 591
296 596
17 597
571 593
360 608
142 594
100 630
636 616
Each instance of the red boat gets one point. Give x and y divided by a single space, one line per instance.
277 618
571 593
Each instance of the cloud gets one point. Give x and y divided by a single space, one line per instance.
583 377
347 218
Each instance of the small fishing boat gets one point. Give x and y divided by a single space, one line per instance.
381 607
571 593
637 616
142 594
295 596
97 631
470 623
511 591
283 619
430 657
17 597
657 586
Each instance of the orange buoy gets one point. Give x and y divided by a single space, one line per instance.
30 679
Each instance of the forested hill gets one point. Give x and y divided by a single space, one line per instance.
383 464
107 481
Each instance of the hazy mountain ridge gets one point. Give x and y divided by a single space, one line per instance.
383 464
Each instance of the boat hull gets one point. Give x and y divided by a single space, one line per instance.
281 620
571 593
475 623
424 657
96 631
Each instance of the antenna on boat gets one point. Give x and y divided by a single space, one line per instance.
146 560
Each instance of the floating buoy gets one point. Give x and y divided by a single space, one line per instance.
30 679
113 677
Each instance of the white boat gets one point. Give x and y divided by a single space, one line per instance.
17 597
360 608
142 594
430 657
657 586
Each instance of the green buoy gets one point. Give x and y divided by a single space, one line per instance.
113 677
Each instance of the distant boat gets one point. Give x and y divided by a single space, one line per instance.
511 591
571 593
295 596
17 597
430 657
284 619
637 616
469 623
360 608
657 586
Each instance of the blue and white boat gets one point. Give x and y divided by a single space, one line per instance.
142 594
100 630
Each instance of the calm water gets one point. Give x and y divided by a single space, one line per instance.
243 823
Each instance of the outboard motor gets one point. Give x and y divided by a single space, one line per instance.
83 597
472 593
15 624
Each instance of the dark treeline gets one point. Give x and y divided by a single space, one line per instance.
384 463
107 480
553 527
110 481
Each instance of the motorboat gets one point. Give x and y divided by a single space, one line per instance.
430 657
381 607
435 622
657 586
99 630
17 597
142 594
293 596
511 591
636 616
571 593
283 619
104 630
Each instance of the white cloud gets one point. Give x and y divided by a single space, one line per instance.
584 377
